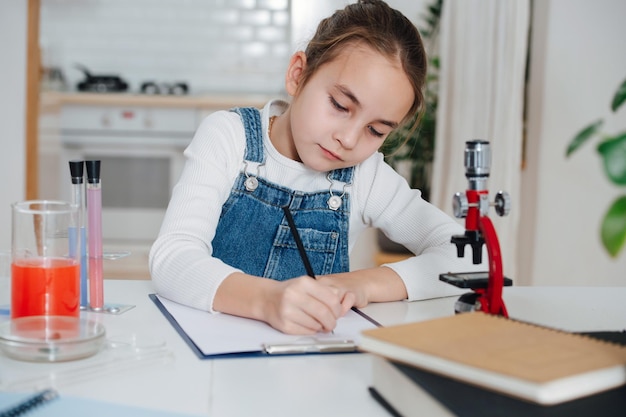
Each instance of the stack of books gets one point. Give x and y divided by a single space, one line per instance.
481 364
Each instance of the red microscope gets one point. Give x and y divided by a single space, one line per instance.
474 205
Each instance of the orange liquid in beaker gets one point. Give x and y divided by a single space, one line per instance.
45 287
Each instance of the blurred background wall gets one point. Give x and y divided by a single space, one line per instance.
576 62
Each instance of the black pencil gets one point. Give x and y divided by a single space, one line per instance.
296 236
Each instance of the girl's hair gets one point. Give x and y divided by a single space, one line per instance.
375 24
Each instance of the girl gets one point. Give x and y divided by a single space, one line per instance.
225 244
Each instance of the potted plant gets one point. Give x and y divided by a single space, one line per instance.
410 151
612 150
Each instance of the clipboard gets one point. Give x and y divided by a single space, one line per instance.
216 336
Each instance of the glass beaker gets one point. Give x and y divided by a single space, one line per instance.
45 267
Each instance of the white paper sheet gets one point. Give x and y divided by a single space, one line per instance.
216 334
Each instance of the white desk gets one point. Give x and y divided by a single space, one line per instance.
308 385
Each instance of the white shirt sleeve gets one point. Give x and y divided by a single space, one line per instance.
181 262
388 203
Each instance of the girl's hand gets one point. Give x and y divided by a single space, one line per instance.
304 306
352 289
366 286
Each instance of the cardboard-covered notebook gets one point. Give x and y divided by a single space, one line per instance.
534 363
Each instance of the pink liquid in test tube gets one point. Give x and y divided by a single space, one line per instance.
94 234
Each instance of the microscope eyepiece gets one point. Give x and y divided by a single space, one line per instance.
477 163
477 158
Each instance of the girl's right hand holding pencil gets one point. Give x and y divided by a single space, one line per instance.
297 306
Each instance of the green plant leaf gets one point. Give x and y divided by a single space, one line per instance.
583 136
613 229
432 21
613 152
435 9
620 97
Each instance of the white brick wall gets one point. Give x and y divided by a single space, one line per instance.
214 45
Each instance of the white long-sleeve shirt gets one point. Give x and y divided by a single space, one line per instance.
181 262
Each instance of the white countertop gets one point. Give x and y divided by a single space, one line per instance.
308 385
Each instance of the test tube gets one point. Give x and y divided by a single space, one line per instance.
78 199
94 225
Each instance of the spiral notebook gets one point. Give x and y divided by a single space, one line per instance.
50 403
523 360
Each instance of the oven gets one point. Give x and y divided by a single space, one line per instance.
141 149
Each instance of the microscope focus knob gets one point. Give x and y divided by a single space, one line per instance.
460 205
502 203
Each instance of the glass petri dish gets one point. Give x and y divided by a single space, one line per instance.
50 338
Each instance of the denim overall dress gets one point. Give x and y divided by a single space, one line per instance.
253 234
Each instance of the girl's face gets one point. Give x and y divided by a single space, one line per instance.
346 109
